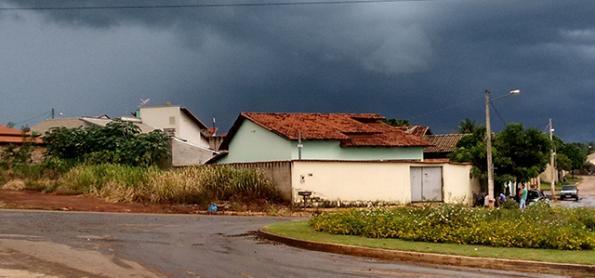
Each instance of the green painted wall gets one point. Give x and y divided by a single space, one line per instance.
253 143
332 150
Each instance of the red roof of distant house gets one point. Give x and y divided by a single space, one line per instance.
351 129
443 143
10 135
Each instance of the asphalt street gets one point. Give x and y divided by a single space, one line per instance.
586 192
65 244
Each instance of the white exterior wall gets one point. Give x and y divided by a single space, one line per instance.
352 181
191 132
458 186
374 181
186 129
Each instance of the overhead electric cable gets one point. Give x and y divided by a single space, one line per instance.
204 5
498 115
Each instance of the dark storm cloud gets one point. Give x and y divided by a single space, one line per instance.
408 59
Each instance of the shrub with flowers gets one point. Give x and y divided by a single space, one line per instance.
537 227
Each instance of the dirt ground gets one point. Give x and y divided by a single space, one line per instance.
52 201
587 186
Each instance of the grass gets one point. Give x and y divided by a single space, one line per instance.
195 185
302 230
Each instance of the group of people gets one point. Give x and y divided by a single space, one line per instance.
522 194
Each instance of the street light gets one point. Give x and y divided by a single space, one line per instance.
512 92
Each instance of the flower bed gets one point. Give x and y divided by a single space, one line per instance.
536 227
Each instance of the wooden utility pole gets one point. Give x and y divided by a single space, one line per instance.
552 160
489 151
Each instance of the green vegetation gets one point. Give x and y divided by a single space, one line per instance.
539 226
186 185
303 231
519 154
118 142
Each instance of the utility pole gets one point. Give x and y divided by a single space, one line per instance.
552 160
489 151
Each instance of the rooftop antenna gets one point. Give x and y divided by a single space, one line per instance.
214 127
143 102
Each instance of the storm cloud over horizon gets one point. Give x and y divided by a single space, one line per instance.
426 61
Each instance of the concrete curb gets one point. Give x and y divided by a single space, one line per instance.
574 270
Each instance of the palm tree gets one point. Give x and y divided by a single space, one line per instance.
467 126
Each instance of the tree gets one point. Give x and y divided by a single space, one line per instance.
518 154
397 122
524 153
118 142
576 152
468 126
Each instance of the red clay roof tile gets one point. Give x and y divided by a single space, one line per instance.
352 130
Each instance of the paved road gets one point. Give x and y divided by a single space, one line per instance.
57 244
586 194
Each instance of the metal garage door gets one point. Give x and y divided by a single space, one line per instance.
426 184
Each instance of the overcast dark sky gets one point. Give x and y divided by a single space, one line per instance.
428 61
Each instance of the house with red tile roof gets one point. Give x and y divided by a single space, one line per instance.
15 136
259 137
343 158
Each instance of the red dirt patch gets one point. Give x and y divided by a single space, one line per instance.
52 201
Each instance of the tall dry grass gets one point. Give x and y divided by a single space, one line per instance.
199 184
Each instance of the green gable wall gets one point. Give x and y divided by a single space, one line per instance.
332 150
252 143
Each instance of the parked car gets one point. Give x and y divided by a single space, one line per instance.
534 196
569 192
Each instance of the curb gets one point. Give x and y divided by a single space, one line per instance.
574 270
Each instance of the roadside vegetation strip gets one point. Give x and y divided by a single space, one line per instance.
301 231
538 226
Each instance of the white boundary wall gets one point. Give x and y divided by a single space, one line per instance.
378 181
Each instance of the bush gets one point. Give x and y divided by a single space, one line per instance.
537 227
186 185
118 142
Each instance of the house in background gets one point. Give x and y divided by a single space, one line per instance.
189 136
443 145
15 137
9 135
347 158
259 137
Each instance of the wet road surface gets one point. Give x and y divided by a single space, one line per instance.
586 192
106 244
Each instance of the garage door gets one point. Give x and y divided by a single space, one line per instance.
426 184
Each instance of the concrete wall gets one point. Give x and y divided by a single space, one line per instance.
172 117
546 175
458 186
279 172
350 181
185 154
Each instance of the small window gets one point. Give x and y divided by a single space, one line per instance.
172 120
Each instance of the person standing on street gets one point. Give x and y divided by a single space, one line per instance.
523 198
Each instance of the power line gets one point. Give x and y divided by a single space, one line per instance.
206 5
498 114
47 113
448 107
